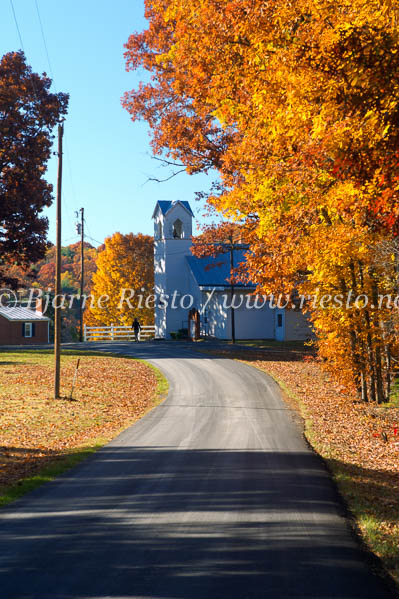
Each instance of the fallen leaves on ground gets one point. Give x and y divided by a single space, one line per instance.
110 393
359 441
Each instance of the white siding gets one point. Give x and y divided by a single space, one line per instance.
250 323
254 323
171 274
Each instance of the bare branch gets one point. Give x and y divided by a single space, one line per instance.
167 178
167 162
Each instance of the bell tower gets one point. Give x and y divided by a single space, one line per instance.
173 223
173 220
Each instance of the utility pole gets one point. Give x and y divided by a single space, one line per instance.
57 306
233 324
82 271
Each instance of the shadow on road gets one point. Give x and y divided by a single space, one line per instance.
197 350
145 350
162 523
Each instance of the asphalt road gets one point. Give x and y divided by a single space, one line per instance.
214 494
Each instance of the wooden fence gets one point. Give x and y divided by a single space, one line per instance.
117 333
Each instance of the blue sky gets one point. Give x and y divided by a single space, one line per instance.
107 158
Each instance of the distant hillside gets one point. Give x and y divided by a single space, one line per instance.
42 276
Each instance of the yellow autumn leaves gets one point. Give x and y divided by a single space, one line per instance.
295 104
125 271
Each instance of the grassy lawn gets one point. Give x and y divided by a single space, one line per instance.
273 344
41 437
359 443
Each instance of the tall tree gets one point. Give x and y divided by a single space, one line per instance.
124 279
298 103
28 113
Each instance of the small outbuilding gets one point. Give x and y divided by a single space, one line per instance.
20 325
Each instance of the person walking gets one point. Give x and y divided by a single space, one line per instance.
136 326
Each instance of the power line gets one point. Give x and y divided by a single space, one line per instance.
16 24
45 44
70 173
66 203
88 229
68 161
69 238
96 240
31 82
89 235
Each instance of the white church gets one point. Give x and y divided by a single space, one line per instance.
187 285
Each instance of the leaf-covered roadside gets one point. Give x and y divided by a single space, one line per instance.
36 430
358 441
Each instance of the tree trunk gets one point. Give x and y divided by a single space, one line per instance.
378 357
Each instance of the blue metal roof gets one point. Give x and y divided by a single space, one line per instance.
166 205
215 271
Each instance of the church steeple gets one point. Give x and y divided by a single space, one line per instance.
173 220
173 224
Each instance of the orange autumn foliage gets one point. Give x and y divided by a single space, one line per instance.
124 275
295 104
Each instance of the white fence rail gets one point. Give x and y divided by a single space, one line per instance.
116 333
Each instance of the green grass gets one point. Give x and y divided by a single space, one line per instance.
376 521
271 344
370 495
63 461
162 389
48 473
394 397
370 516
